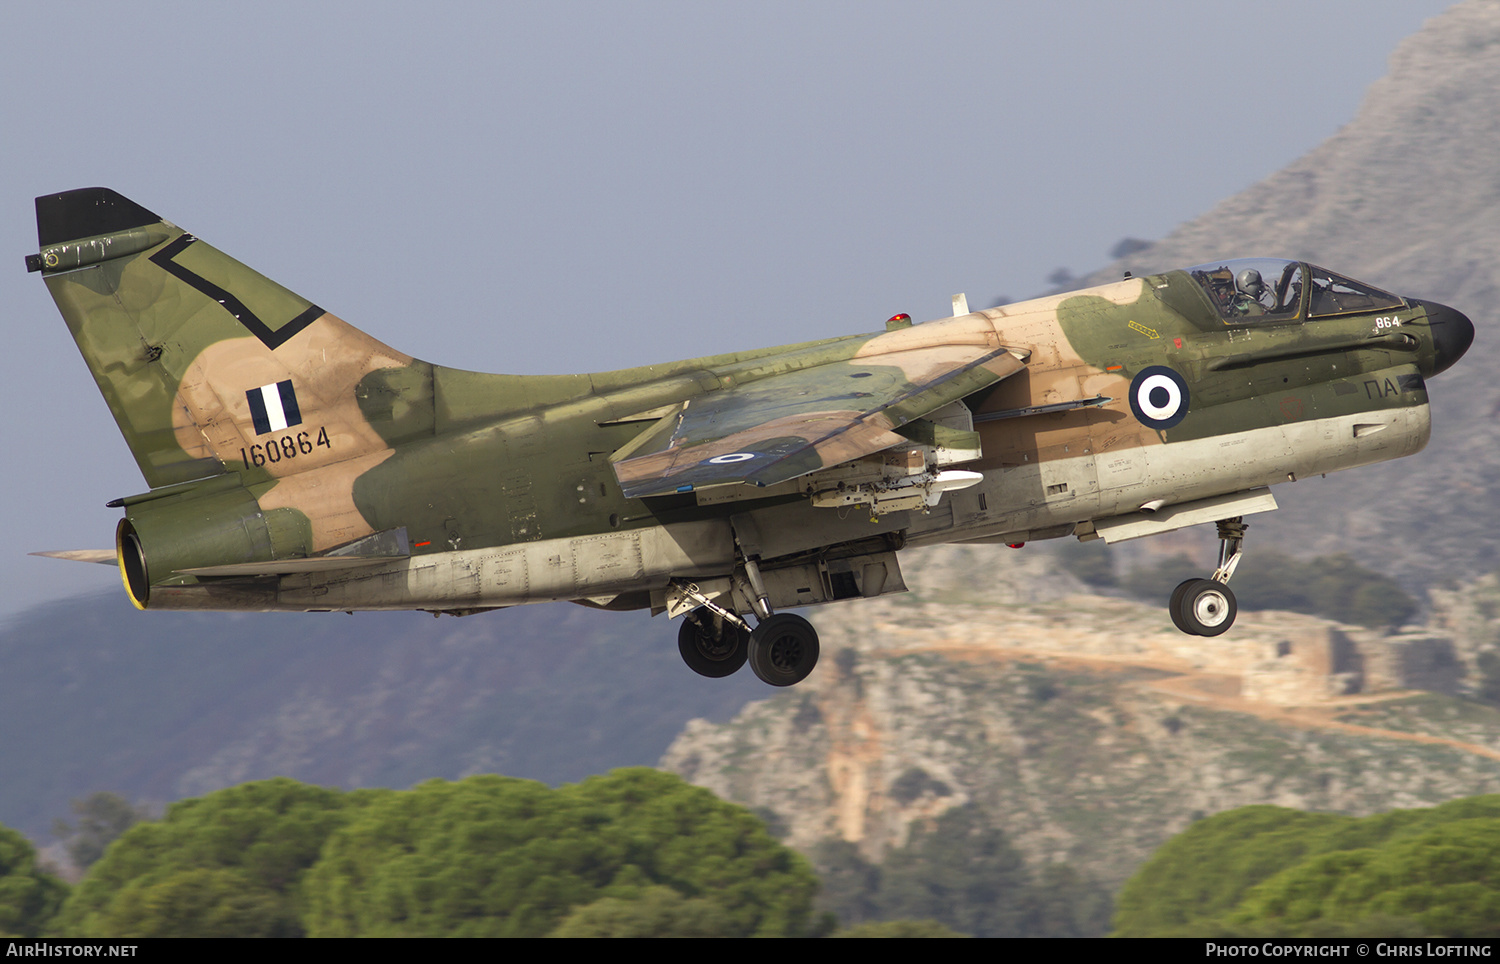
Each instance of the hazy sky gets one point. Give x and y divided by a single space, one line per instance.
565 187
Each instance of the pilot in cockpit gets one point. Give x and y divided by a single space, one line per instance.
1252 296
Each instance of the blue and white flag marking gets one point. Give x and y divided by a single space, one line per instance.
273 407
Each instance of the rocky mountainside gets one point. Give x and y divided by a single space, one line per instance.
1407 197
1088 728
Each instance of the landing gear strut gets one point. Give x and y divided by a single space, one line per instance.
714 641
781 650
1207 607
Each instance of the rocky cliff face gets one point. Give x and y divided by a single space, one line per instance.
1407 197
1086 727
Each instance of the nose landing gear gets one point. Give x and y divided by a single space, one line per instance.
1203 607
1207 607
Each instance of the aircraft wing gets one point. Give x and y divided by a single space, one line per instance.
783 426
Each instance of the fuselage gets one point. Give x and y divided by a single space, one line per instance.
296 463
507 494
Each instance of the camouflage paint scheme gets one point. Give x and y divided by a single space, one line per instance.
377 481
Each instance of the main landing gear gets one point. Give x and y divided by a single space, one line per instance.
714 641
711 645
781 650
1207 607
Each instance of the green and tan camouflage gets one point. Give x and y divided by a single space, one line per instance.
295 463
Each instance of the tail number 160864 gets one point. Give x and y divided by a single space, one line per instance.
289 446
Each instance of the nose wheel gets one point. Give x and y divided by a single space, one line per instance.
1203 607
1207 607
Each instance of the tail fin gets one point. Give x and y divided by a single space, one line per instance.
207 365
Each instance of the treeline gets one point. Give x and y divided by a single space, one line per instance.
641 853
1269 871
29 897
638 852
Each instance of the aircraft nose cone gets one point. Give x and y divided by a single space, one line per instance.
1452 334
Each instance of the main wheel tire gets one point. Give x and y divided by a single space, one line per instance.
1209 608
783 649
709 654
1174 608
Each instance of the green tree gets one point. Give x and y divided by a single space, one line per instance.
496 856
689 839
1446 879
657 912
1262 871
959 872
226 864
102 817
198 902
29 898
1203 872
900 928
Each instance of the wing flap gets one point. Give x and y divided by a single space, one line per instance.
785 426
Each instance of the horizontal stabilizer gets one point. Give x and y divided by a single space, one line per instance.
104 557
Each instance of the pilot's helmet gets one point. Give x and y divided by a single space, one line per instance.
1249 282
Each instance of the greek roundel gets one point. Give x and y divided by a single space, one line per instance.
274 407
1158 397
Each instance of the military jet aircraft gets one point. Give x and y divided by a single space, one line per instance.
295 463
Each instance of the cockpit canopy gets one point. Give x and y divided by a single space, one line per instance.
1272 291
